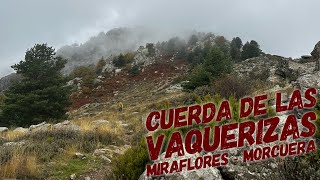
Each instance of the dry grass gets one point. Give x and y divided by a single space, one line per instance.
84 123
71 150
20 164
46 147
12 135
114 125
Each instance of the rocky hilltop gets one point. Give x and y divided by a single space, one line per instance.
114 42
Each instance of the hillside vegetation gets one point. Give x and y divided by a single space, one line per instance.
89 124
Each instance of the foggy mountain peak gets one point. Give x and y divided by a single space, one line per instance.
113 42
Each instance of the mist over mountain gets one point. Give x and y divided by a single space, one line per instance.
113 42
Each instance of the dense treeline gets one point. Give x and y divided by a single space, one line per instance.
215 60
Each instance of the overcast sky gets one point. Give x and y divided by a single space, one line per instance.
283 27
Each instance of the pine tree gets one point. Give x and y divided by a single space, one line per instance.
151 49
235 49
250 50
193 40
42 95
215 64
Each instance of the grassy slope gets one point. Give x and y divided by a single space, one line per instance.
52 154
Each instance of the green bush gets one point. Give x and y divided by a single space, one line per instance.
198 77
203 91
135 70
122 60
216 64
99 66
87 73
232 85
250 49
119 61
132 163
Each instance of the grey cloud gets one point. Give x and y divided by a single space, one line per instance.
284 27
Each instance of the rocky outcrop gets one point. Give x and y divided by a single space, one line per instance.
309 80
299 75
316 56
142 57
258 65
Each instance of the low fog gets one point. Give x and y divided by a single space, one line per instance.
287 27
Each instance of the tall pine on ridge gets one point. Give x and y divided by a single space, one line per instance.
42 95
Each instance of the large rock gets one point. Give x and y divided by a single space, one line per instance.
316 55
40 127
20 143
66 125
21 130
3 129
80 155
175 88
141 57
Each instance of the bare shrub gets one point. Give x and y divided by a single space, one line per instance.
232 85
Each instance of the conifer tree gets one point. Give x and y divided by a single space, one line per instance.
42 95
